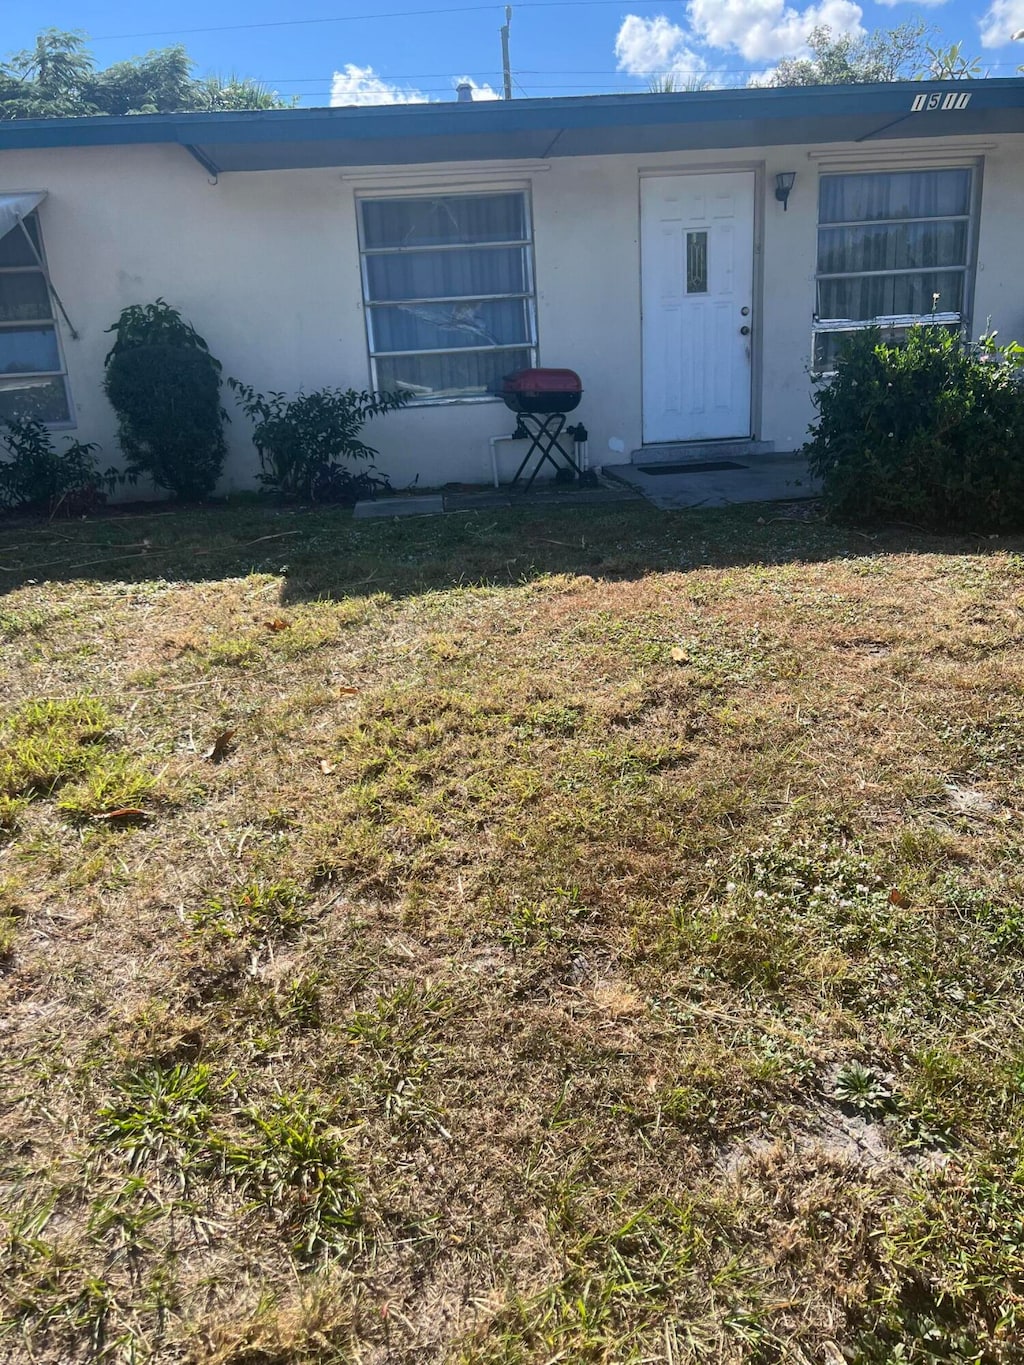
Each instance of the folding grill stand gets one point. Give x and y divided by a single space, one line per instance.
543 431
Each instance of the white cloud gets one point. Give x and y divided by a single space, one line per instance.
763 30
480 92
759 30
646 47
893 3
1001 21
362 85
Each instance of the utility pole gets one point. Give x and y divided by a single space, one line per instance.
506 64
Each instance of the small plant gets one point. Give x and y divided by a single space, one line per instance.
299 1168
118 782
255 911
164 385
930 432
397 1025
304 442
298 1003
676 83
11 808
36 477
162 1112
44 744
861 1088
11 912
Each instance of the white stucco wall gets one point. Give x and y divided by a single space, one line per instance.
266 266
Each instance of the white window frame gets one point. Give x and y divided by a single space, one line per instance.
529 297
25 324
894 322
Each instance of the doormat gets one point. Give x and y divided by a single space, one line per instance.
708 467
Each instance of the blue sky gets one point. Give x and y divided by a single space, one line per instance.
384 51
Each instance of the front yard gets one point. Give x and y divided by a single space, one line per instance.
588 935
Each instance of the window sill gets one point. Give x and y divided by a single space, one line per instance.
476 401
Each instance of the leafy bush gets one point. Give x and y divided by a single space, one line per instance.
164 385
931 432
36 477
303 440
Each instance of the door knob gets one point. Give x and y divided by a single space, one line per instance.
744 331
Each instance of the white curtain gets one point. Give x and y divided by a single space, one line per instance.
876 296
452 220
894 194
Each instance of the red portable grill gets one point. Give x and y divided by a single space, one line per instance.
542 391
542 399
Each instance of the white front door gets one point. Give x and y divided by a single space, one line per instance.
697 269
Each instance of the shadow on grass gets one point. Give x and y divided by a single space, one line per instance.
323 553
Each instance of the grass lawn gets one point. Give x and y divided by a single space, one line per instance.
540 936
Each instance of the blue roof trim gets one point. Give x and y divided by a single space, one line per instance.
563 126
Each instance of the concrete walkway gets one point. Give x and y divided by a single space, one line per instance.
760 478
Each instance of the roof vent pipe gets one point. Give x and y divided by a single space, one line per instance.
464 92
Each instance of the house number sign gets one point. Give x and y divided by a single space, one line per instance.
939 101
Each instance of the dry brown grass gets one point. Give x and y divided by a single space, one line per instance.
599 939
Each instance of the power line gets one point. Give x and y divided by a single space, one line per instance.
450 89
523 71
417 77
358 18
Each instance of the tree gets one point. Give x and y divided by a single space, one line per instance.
950 64
58 78
46 78
895 54
672 83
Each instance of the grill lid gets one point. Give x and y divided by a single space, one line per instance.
541 381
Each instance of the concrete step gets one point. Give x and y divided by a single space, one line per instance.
779 477
700 452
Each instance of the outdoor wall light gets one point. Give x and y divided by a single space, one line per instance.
783 184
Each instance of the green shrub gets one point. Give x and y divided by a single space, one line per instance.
164 385
302 441
36 477
930 432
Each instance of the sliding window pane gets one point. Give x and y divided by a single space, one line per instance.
449 221
15 250
23 294
899 246
44 399
28 350
875 296
897 194
447 326
447 274
471 375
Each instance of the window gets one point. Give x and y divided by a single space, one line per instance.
893 249
696 262
32 376
448 288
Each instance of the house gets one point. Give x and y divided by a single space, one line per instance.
693 256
